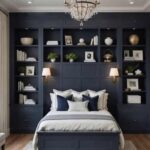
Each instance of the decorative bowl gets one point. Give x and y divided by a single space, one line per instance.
26 40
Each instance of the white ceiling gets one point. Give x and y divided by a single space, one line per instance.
58 6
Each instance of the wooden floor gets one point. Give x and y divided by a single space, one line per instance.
17 142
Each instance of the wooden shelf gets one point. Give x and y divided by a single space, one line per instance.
134 92
26 45
27 91
18 76
52 45
80 46
134 76
27 61
108 46
133 46
133 61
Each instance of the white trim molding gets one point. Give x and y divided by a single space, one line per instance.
4 74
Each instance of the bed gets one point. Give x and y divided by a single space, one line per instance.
63 130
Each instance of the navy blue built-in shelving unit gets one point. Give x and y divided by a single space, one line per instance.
78 75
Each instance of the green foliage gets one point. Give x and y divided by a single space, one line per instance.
71 56
52 55
131 68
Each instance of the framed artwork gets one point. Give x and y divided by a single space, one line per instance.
138 55
126 53
133 84
134 99
30 70
89 56
68 40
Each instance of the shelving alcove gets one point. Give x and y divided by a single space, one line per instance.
133 116
24 118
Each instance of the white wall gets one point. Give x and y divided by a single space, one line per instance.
4 74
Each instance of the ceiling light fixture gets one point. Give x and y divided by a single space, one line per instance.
131 2
29 2
82 10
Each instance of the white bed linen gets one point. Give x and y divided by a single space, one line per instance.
78 125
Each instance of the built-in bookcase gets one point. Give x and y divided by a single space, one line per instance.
134 64
21 64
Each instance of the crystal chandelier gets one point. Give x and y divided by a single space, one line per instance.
82 10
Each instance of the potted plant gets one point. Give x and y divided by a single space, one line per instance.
71 57
52 56
130 69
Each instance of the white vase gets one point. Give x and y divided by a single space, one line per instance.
108 41
53 60
71 60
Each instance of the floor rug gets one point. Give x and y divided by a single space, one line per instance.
128 146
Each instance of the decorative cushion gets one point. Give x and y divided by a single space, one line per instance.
93 101
105 101
77 96
62 93
78 106
101 104
53 97
62 104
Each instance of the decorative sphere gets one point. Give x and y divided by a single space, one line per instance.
108 41
81 40
134 39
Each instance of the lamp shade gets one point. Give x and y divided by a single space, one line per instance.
114 72
46 72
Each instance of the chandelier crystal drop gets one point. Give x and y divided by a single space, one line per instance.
82 10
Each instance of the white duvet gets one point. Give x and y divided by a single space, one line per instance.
78 125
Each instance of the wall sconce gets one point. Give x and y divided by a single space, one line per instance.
114 73
46 72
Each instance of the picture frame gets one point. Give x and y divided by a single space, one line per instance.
133 84
134 99
126 53
138 55
30 70
89 56
68 40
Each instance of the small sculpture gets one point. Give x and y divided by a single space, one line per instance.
108 56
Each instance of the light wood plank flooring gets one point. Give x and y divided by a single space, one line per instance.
18 141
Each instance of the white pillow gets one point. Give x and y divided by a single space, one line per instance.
62 93
105 101
53 97
78 106
77 96
100 93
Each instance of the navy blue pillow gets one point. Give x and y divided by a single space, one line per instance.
62 104
92 105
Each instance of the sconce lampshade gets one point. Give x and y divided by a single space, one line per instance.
46 72
114 72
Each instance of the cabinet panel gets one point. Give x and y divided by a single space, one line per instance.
89 70
71 70
133 119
